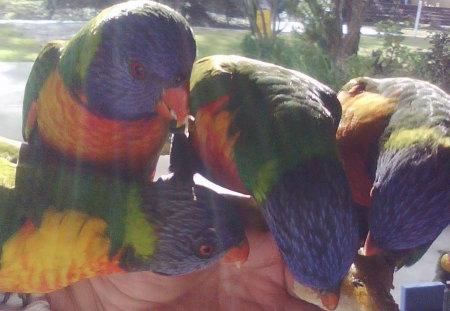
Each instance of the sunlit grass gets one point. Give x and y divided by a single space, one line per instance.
218 41
16 47
368 44
224 41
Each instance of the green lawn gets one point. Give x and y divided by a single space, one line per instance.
367 44
15 47
218 41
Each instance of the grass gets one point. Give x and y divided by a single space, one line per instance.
16 47
218 41
224 41
367 44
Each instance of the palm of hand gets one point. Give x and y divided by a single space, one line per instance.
262 283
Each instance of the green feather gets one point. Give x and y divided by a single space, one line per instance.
78 54
46 62
280 121
406 137
43 182
135 226
211 75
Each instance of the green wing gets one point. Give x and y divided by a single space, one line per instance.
43 180
279 115
46 62
37 182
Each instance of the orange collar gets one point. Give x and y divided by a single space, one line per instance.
67 126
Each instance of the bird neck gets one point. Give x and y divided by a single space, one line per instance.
214 145
67 126
78 54
364 119
312 218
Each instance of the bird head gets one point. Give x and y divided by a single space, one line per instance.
314 222
132 62
194 225
410 199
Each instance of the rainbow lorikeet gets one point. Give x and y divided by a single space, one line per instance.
394 139
60 224
107 96
267 131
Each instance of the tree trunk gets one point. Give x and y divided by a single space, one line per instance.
354 16
326 27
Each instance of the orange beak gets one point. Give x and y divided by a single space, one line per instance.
330 300
370 249
237 255
445 262
174 104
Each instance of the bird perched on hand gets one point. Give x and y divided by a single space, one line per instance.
107 96
394 139
61 223
267 131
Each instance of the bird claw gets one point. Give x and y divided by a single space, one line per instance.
26 299
6 297
357 282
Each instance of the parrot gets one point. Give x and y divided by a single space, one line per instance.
269 132
108 96
394 140
61 223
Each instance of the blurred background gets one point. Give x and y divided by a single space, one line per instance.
332 41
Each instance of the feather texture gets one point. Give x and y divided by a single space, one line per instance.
402 157
61 223
268 131
102 97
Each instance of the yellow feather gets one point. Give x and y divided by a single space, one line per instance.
67 246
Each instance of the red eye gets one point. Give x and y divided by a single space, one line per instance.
137 70
205 250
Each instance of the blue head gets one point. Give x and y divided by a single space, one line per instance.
314 222
145 48
411 197
194 225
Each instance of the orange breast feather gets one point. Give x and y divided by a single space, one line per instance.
70 128
364 118
211 140
67 246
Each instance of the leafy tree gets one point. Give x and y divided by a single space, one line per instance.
252 8
324 20
437 61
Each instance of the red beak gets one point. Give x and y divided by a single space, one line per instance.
237 255
174 104
370 249
330 300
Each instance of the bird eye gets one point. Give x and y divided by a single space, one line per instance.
205 250
137 70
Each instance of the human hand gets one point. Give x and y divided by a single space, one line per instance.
262 283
